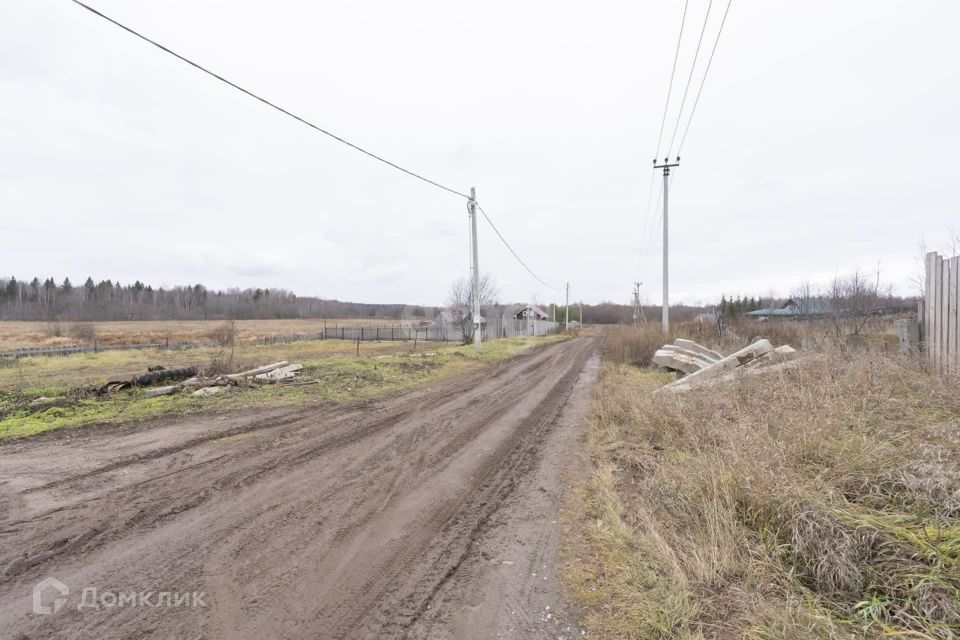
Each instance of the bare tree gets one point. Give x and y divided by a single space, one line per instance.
460 302
225 336
806 296
854 299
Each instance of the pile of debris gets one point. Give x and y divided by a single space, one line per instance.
202 385
698 365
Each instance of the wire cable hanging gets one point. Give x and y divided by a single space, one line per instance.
507 245
704 80
663 120
271 104
693 66
317 128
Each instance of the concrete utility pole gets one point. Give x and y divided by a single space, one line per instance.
581 314
566 318
475 267
666 166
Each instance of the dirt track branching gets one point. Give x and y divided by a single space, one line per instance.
818 502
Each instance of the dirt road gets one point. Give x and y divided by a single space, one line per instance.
430 514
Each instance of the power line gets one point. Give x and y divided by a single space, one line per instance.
270 104
673 72
702 82
693 66
317 128
507 245
663 121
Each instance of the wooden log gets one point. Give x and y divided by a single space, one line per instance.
254 372
282 373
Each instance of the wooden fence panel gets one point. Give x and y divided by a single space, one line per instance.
941 313
954 337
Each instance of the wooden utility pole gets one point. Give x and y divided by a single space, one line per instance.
475 267
566 319
666 166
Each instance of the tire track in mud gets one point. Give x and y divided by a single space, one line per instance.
325 522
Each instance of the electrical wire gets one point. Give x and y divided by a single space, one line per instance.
663 120
317 128
507 245
693 66
673 72
270 104
704 80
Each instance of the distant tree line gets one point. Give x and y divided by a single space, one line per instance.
107 300
739 305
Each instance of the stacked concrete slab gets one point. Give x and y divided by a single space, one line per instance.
700 364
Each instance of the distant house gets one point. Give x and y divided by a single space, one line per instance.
792 309
445 317
530 311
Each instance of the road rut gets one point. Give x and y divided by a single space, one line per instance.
319 522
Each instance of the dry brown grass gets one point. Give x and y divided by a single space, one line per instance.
16 335
636 344
818 502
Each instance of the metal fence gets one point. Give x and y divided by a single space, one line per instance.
494 328
940 328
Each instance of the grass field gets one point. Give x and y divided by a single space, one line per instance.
17 335
94 369
41 394
816 502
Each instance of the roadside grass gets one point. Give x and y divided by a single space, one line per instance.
329 375
818 502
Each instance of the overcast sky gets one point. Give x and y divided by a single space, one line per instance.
825 140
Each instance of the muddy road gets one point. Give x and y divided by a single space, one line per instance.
429 514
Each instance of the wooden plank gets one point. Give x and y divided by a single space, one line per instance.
937 327
941 312
932 312
928 307
948 303
955 314
944 286
253 372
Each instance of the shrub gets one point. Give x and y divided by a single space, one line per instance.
83 331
